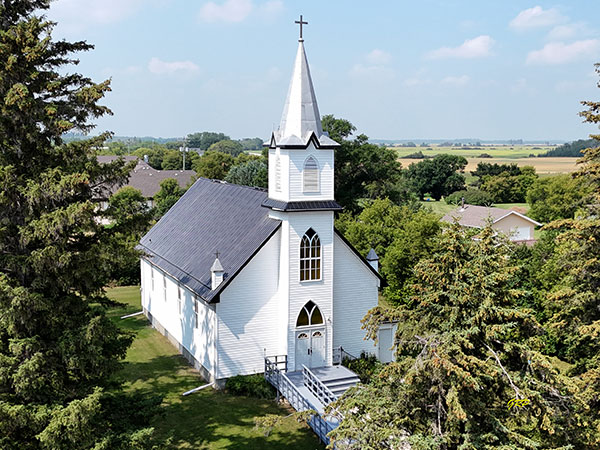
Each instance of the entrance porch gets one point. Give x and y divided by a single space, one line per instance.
311 389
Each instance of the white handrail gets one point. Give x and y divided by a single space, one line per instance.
317 387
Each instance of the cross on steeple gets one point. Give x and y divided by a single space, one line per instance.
217 254
301 22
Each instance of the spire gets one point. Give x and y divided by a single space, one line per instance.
301 118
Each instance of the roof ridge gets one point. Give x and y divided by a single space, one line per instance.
227 183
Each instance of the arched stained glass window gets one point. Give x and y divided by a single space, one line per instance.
309 315
310 256
311 175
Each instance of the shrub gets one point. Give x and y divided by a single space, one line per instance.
416 155
472 197
250 386
366 366
485 155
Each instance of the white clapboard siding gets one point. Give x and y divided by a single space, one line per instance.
355 291
301 292
180 327
249 315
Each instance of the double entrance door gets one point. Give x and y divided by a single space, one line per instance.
310 348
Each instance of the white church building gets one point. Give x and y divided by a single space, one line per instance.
233 274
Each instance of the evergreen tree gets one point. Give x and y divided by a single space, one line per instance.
465 353
58 350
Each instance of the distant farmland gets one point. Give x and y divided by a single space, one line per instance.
499 154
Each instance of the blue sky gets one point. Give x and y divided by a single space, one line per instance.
397 70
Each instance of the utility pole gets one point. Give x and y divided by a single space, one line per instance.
184 149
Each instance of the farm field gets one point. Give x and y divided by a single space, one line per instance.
542 165
207 419
498 151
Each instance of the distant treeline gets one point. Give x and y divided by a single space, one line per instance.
573 149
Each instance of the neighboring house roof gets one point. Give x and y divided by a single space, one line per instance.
477 216
212 216
145 178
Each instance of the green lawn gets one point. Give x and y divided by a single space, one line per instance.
207 419
442 208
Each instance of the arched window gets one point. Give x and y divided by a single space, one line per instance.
310 314
277 174
311 175
310 256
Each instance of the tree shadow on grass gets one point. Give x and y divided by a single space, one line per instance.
209 418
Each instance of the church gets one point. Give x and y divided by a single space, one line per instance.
234 274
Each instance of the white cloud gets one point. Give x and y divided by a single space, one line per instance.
561 53
77 15
415 81
271 8
536 17
569 31
238 10
164 67
379 57
372 72
230 11
456 81
472 48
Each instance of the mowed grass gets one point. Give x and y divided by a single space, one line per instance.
441 207
207 419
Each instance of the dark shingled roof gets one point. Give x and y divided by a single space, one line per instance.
313 205
147 179
211 216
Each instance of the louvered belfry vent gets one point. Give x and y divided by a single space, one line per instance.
311 175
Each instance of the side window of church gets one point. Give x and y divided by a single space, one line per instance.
165 287
179 299
310 256
277 174
152 277
195 300
311 175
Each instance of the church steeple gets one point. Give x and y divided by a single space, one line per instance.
301 119
301 155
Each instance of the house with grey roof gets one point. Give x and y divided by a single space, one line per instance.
518 227
145 178
244 280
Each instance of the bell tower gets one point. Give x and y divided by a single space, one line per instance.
301 163
301 196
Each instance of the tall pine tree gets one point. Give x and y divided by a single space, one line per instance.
469 373
57 349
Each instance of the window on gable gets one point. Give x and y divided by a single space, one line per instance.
311 175
310 256
310 314
277 173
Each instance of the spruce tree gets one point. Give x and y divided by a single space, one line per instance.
58 350
469 372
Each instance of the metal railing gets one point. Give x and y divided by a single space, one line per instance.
339 354
295 398
317 387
